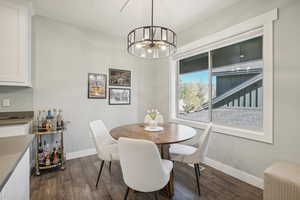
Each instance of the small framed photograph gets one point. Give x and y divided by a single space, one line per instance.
118 77
119 96
97 86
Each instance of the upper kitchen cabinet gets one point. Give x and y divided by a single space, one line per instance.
15 44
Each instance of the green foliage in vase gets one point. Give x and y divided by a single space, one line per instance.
153 113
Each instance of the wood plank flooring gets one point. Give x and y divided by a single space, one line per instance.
77 182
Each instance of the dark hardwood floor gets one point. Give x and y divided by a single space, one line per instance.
77 182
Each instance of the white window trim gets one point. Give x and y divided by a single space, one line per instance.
260 25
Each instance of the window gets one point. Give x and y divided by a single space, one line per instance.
193 86
237 90
227 79
235 81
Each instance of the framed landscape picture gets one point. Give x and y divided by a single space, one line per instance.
119 96
119 77
96 86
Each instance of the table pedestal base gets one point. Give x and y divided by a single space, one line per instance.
167 191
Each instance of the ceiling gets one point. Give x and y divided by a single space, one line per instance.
105 15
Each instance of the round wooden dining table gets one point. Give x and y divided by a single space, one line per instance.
171 133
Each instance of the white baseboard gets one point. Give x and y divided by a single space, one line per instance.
79 154
241 175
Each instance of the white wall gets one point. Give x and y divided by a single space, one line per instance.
246 155
63 55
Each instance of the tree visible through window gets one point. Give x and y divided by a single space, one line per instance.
194 88
235 79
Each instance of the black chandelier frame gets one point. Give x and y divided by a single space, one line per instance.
168 32
154 35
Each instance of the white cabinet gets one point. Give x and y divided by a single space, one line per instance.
15 40
18 185
14 130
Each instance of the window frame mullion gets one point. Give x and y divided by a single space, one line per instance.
210 84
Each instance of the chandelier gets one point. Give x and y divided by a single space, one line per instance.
151 41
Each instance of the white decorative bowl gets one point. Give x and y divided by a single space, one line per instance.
154 129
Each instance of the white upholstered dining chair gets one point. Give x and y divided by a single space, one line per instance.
142 167
106 146
190 154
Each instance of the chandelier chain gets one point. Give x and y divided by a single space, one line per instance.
152 31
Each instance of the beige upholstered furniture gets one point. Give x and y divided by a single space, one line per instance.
282 182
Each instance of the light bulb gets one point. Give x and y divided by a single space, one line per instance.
149 50
138 46
163 47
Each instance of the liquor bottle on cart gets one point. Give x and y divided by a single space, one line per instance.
60 122
54 119
47 154
41 157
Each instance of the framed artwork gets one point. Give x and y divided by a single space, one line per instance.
119 96
118 77
97 86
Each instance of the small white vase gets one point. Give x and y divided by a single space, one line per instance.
152 123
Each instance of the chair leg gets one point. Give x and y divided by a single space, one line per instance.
162 151
156 195
197 171
109 167
126 194
99 174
